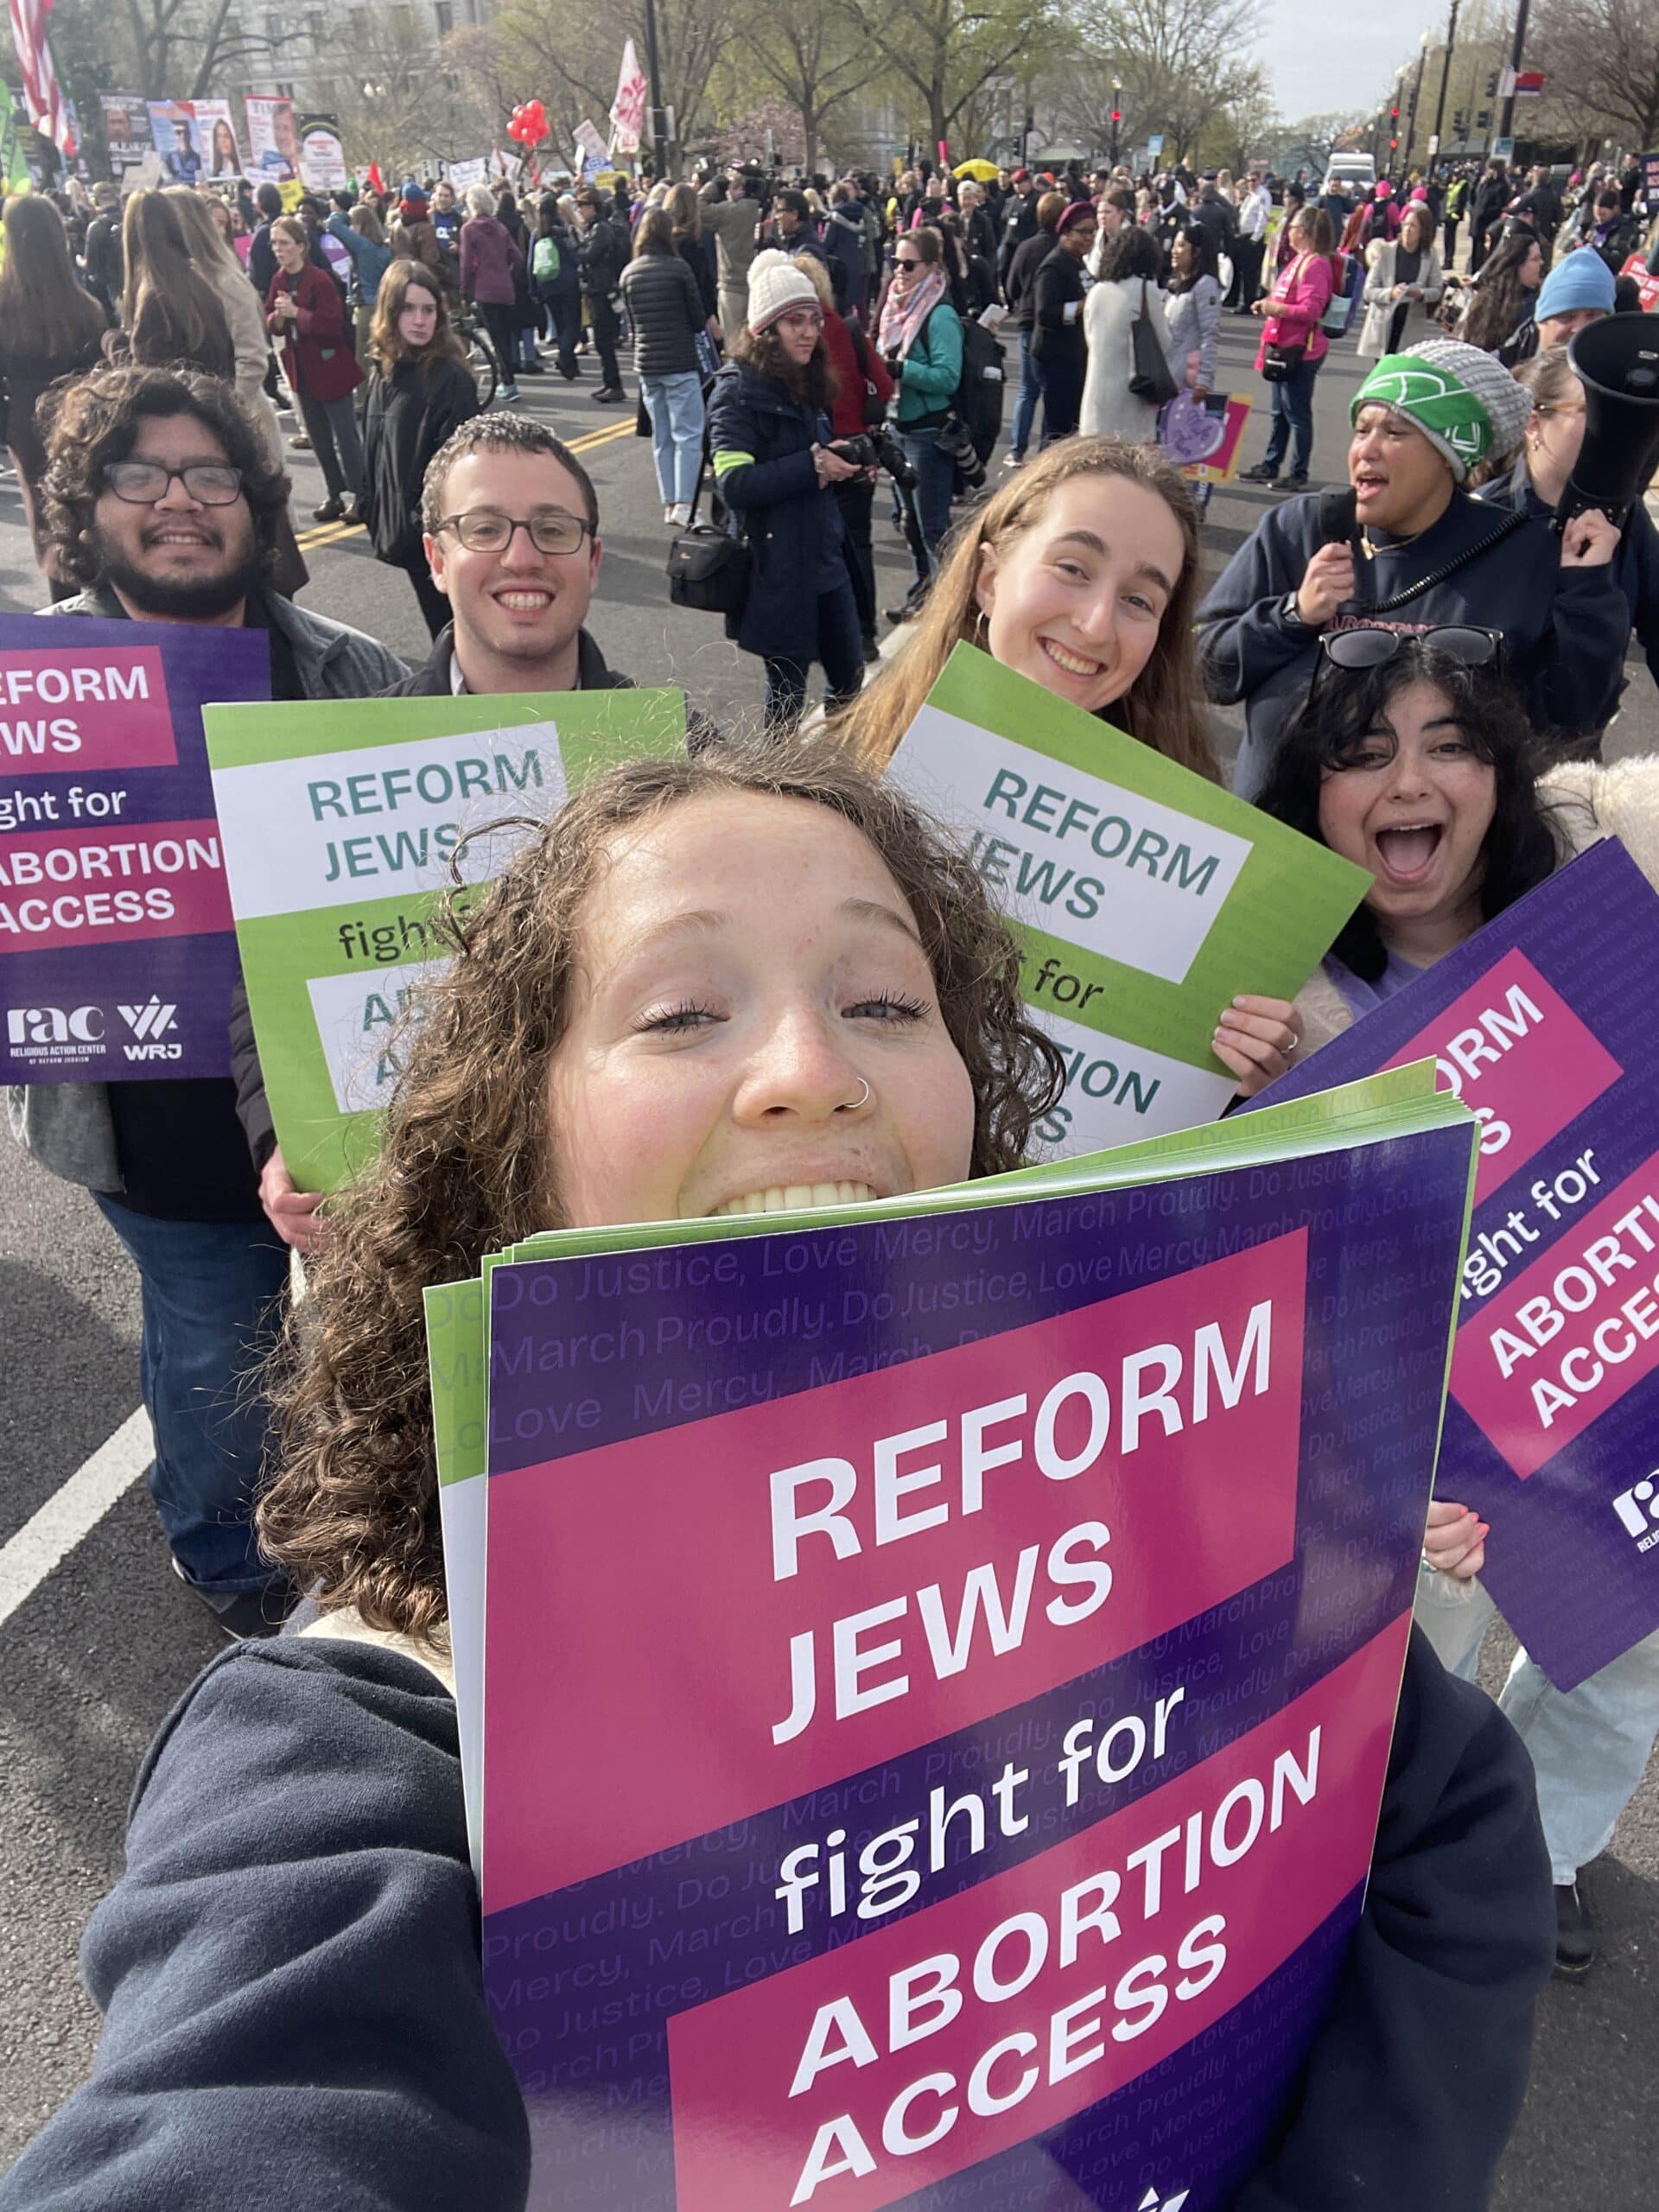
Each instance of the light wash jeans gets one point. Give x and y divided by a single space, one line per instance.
674 406
1589 1746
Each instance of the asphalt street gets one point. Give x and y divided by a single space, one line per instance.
92 1659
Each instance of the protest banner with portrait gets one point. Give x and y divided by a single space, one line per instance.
273 140
126 133
976 1622
343 821
1144 897
177 136
118 957
221 146
1552 1431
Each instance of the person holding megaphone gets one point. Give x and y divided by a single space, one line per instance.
1414 550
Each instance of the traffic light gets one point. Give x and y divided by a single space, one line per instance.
1491 85
1483 120
1457 124
1117 117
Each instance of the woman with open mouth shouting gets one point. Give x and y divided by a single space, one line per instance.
1415 759
1081 573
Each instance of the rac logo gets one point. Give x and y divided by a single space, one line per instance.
1639 1510
50 1024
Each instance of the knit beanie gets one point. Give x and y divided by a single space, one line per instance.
1582 279
776 285
1080 211
1465 402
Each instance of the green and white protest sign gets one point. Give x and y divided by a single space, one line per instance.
344 821
1145 897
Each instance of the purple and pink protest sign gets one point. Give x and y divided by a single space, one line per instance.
1551 1432
939 1680
118 954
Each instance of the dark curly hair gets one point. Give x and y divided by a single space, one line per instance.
1521 848
90 421
465 1167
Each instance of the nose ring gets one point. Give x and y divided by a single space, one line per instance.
852 1105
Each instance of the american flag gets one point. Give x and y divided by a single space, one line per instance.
47 109
628 108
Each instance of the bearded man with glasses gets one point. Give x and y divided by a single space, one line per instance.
161 500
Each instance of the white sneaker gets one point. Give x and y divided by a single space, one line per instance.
680 516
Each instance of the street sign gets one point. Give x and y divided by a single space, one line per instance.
1504 149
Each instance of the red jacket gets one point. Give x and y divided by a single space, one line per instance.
317 353
847 414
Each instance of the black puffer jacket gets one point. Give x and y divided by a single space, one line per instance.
407 417
762 440
666 312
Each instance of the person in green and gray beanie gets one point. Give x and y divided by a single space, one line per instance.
1415 550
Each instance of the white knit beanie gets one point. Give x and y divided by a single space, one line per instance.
776 285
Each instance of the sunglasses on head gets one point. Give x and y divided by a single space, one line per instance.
1354 650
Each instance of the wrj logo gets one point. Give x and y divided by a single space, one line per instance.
149 1023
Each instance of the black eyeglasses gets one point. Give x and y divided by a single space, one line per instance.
914 262
485 530
144 483
1352 650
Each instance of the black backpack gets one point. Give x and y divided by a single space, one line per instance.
978 400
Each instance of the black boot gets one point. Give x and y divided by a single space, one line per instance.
1576 1941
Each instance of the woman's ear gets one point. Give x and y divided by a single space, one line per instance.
985 580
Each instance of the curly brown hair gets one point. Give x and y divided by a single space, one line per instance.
814 383
465 1166
95 420
1165 706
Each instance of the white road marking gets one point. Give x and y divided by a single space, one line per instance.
48 1536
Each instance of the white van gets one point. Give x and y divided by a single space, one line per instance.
1354 171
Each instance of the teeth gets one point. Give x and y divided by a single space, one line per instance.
795 1197
1070 662
522 599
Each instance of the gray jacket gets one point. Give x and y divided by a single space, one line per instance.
68 1127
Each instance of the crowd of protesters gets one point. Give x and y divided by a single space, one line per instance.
772 329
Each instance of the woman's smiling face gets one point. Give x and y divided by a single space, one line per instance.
1077 601
1412 804
752 1023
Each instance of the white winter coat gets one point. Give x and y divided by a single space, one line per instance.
1109 408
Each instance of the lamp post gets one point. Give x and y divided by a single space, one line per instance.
1506 121
1411 113
1439 104
1117 114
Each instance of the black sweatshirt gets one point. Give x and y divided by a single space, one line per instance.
1564 629
295 2009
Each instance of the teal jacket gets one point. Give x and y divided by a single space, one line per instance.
931 371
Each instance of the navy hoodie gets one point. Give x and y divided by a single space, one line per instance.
1564 630
294 2012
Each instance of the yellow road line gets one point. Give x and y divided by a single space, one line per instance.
333 533
592 438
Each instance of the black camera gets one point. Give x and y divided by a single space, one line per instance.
878 448
956 442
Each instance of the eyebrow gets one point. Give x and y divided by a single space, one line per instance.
698 921
1096 544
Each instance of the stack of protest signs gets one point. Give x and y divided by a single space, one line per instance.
344 822
926 1669
117 958
1552 1431
1144 899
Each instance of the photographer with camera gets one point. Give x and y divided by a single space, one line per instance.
863 388
769 431
921 339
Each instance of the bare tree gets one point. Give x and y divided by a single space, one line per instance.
1181 62
945 53
1602 63
569 53
813 59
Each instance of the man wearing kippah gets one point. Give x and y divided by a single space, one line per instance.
1413 550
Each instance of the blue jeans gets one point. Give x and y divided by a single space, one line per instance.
841 649
1590 1746
1293 419
938 482
674 406
1025 408
211 1301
